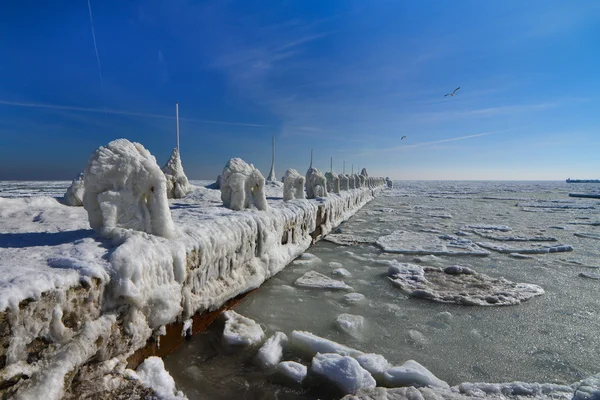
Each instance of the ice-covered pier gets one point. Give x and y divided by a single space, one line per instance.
78 307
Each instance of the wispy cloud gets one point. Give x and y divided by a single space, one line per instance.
163 70
96 50
121 112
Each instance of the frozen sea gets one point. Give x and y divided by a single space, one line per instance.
552 338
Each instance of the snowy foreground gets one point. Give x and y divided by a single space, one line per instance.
68 296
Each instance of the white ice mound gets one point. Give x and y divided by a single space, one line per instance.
376 364
177 183
333 182
125 188
152 374
240 330
459 285
242 185
271 352
310 344
344 182
350 323
345 372
74 195
316 184
292 370
293 185
354 298
411 373
345 239
314 279
404 242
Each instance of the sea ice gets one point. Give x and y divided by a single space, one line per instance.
314 279
125 188
514 238
459 285
310 344
152 374
589 275
527 248
240 330
345 372
74 195
405 242
501 228
292 370
411 373
344 239
354 298
376 364
351 324
588 235
271 352
341 272
242 185
177 182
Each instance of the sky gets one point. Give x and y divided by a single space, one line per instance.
347 79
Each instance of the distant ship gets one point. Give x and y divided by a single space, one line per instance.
569 180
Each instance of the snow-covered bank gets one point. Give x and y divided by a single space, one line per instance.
69 297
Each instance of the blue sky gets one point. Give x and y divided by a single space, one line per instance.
346 78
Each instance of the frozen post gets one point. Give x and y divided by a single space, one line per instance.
271 177
177 119
352 169
344 169
311 156
331 165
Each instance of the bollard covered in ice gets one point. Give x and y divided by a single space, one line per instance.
344 182
389 182
125 188
242 185
316 184
177 183
364 173
333 182
74 194
293 185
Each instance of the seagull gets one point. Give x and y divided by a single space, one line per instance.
453 93
403 137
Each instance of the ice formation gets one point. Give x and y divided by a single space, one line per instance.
240 330
459 285
125 189
314 279
333 182
270 354
316 184
153 375
344 239
364 173
417 243
411 373
293 185
389 182
345 372
528 248
344 182
177 183
351 324
292 370
376 364
354 298
351 181
242 185
310 344
74 195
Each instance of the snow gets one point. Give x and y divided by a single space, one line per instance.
293 185
125 189
376 364
344 182
292 370
152 374
316 184
411 373
74 195
404 242
351 324
529 248
344 239
345 372
187 327
242 331
270 354
354 298
333 182
310 344
242 185
177 182
459 285
341 272
313 279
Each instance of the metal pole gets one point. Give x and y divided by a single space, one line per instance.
331 165
273 151
177 118
352 169
344 168
311 157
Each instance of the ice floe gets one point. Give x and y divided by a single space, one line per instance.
344 239
515 238
588 235
314 279
345 372
310 344
240 330
270 354
354 298
350 323
152 374
292 370
459 285
404 242
529 248
411 373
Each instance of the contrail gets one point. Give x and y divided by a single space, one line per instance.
96 49
119 112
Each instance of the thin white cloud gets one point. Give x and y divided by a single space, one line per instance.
96 48
120 112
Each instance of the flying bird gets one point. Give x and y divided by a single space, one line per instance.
403 137
453 93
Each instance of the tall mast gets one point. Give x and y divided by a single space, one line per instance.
344 169
331 165
311 157
271 176
177 118
352 169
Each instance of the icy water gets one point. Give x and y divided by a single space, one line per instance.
550 338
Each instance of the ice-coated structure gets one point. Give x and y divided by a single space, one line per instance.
364 173
293 185
316 184
333 182
177 183
126 189
242 185
344 182
389 182
357 182
74 195
351 181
